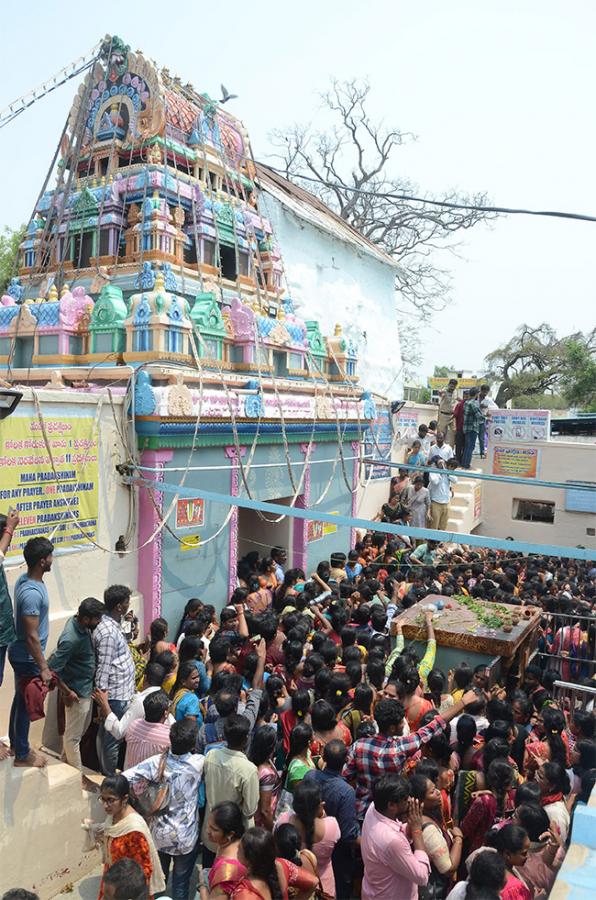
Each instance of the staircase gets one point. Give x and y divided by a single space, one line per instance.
465 509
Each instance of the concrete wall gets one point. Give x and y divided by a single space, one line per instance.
43 846
577 877
77 574
559 461
333 281
371 498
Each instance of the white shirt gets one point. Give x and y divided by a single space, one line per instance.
439 486
445 452
486 404
425 443
482 724
557 813
118 727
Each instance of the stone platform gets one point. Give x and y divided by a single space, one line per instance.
41 838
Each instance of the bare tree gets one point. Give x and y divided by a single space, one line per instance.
355 155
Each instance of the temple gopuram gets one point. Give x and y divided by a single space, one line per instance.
150 266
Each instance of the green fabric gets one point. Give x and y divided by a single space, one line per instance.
7 631
426 663
428 660
399 646
296 772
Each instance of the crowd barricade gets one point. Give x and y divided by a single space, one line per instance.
574 696
573 666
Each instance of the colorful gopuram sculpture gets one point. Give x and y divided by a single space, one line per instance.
154 246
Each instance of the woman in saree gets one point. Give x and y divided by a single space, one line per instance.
268 877
224 829
126 834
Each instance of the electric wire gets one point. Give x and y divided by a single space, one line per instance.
446 204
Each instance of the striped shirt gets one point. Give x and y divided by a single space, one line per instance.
145 739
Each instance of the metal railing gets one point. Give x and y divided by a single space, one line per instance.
577 696
561 620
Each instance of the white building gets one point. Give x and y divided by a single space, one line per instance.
335 274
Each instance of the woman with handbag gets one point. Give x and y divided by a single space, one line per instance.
319 832
126 834
443 846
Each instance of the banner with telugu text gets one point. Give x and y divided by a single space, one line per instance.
521 462
28 483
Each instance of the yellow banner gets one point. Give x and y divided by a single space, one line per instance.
519 461
29 484
436 384
317 530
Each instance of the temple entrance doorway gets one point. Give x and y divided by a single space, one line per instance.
254 534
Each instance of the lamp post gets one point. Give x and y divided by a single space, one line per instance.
9 400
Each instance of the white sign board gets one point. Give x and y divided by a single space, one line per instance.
518 426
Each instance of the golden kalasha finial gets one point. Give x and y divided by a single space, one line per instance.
53 294
159 281
338 330
65 290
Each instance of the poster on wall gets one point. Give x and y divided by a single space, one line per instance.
190 512
378 440
405 424
518 426
477 501
317 530
43 498
522 462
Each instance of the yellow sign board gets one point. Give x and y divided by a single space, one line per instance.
317 530
60 505
519 461
438 384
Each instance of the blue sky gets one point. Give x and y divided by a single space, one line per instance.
500 94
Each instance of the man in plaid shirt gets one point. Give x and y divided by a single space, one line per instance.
370 757
474 419
115 671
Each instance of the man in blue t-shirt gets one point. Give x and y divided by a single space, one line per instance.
27 653
8 525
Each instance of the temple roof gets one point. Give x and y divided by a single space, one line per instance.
313 210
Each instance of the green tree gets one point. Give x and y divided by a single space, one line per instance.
443 371
579 377
535 361
10 238
541 401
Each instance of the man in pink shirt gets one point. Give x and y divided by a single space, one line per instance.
392 870
149 736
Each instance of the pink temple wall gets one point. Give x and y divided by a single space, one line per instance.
235 479
150 556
